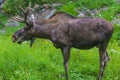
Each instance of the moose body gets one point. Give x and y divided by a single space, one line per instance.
66 31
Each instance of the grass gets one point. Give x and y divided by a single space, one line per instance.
44 62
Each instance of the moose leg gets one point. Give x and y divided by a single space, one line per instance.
66 55
108 58
104 58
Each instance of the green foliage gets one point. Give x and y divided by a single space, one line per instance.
12 6
108 14
3 19
116 34
92 4
69 8
111 12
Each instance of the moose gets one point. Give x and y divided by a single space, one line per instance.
67 31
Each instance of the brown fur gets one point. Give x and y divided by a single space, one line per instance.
66 31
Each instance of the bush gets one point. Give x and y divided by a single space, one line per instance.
69 8
3 19
91 4
12 6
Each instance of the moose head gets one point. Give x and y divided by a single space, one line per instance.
23 34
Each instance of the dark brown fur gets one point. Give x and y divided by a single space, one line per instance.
66 31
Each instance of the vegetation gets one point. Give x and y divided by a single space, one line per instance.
44 62
12 6
3 20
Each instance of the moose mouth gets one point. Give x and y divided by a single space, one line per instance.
20 40
17 40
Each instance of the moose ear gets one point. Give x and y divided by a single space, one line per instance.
32 18
31 22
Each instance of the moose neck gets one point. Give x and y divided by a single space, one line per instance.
44 29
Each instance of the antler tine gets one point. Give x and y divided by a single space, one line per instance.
27 11
28 8
26 14
22 9
29 4
18 19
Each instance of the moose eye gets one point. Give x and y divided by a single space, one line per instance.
19 34
15 36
